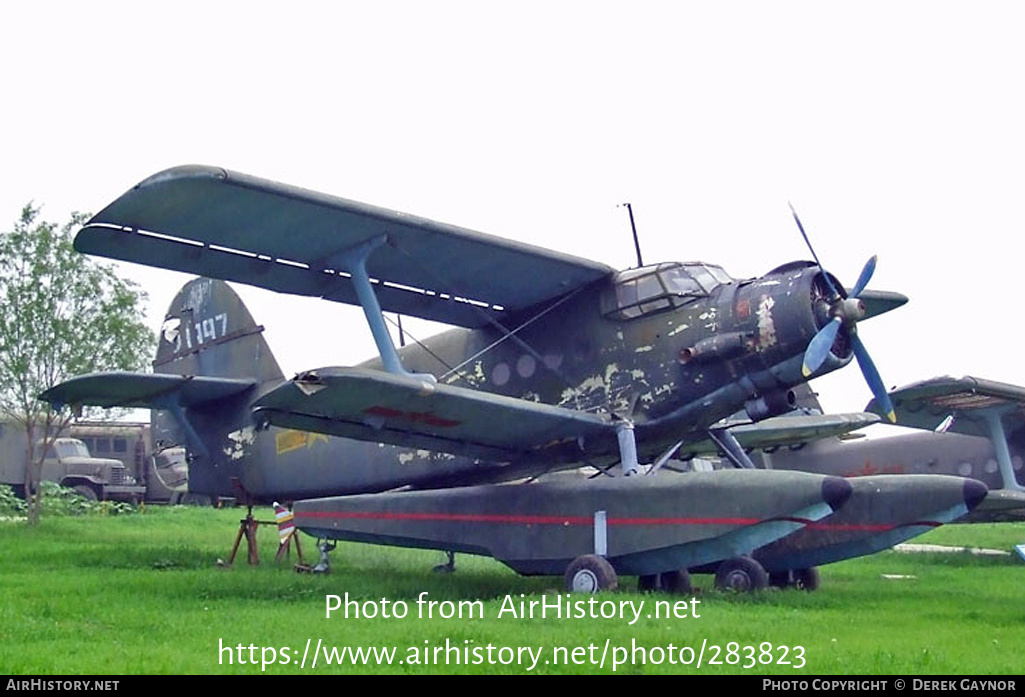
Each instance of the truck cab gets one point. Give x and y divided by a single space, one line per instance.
69 463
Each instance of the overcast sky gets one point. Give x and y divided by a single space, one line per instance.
895 128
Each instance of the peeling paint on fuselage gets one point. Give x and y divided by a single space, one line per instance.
241 441
632 364
766 326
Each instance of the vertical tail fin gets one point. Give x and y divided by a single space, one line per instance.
208 331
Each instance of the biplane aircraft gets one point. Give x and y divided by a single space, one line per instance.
556 362
969 427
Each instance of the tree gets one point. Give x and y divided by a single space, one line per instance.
61 314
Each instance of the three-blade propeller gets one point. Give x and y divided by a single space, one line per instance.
845 310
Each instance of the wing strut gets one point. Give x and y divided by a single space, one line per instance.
730 448
994 418
354 260
627 447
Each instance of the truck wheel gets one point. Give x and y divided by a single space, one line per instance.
86 492
589 574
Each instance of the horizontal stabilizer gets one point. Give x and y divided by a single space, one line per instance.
788 430
379 407
221 224
143 390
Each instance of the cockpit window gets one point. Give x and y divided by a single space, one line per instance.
710 277
651 289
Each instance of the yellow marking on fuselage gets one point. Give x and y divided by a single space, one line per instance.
287 441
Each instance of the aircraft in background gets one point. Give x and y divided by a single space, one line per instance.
970 427
557 362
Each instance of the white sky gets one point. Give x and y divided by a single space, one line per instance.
894 127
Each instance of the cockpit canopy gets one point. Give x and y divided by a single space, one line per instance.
651 289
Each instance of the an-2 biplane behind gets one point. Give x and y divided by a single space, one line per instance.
557 362
968 427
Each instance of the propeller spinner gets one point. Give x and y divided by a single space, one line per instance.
845 310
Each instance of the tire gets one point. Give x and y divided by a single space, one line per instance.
590 574
676 582
648 583
741 574
672 582
807 579
86 492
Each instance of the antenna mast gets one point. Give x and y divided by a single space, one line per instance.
633 226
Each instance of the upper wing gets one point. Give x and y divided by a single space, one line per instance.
401 410
222 224
928 403
143 390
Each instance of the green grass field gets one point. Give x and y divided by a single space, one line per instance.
143 594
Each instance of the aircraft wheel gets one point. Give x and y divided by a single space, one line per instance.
742 574
672 582
646 584
676 582
781 579
589 574
807 579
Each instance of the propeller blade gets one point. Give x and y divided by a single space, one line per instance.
864 278
818 347
815 256
868 369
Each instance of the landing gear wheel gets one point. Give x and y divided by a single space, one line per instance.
589 574
676 582
449 566
741 574
672 582
807 579
649 583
